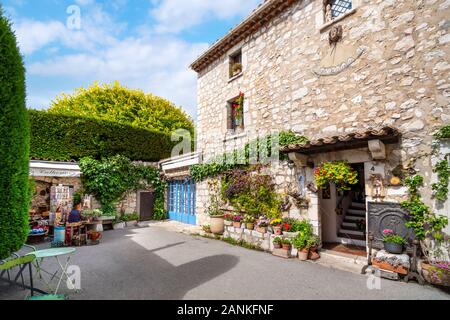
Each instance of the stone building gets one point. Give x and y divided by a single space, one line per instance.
48 175
366 81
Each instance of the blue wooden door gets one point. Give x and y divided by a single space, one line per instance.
182 201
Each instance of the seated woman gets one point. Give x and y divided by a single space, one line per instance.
75 214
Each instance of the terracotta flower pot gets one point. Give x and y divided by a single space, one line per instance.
95 236
228 223
303 254
217 224
435 275
286 246
314 254
277 245
278 231
262 230
237 225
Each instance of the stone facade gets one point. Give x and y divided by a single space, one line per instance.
401 79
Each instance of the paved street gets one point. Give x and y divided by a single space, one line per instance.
153 263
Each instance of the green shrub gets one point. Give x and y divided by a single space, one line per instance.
14 145
63 137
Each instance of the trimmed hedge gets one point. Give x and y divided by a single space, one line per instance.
14 145
61 137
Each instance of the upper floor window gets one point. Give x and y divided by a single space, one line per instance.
235 111
336 8
235 64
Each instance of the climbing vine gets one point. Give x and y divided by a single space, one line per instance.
110 179
242 157
421 219
443 133
441 187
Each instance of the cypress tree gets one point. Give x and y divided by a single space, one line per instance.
14 144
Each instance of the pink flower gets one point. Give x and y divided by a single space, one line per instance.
388 231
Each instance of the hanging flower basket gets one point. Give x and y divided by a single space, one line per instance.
339 172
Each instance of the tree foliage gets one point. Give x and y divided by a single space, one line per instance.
125 106
14 145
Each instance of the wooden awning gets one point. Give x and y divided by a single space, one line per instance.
354 140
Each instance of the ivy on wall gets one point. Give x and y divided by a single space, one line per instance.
440 188
61 137
241 158
443 133
110 179
421 218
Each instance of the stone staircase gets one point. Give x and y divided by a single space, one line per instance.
349 228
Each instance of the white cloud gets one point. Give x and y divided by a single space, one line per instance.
97 29
157 65
154 62
176 15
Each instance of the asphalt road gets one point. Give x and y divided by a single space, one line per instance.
153 263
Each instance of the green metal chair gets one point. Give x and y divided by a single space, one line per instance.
22 263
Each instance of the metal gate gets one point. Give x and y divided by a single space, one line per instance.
182 201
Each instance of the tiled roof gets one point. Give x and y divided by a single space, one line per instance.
352 140
265 12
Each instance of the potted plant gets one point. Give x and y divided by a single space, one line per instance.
206 228
290 227
119 224
313 245
338 172
262 225
217 217
237 221
95 236
277 243
286 244
132 220
276 226
249 222
228 219
301 243
437 273
91 215
393 243
236 69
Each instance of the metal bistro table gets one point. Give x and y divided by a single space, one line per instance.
53 253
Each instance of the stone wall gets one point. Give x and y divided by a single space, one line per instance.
42 198
401 79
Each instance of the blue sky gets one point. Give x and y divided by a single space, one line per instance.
145 44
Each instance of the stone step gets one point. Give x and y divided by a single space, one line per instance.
345 240
352 236
351 232
357 205
353 218
354 212
349 226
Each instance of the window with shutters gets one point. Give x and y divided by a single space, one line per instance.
235 112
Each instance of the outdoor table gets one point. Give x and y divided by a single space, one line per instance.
53 253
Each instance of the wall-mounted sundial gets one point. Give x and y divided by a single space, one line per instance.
340 56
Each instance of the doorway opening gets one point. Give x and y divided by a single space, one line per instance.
344 217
